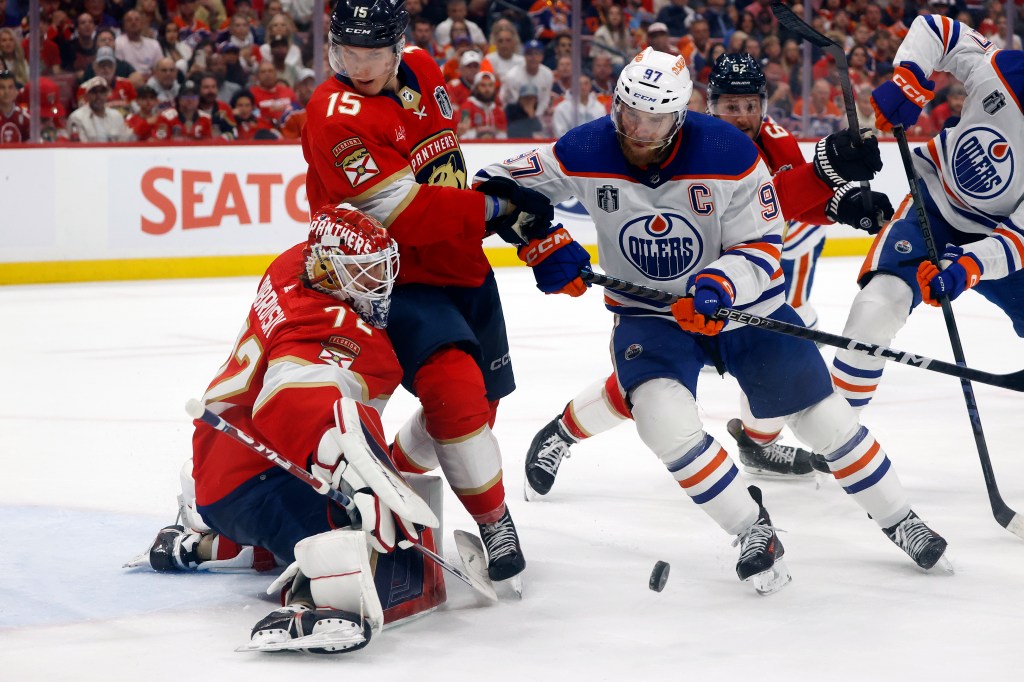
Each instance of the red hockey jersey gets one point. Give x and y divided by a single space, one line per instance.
397 157
298 352
802 194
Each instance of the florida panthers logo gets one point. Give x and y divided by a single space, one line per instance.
982 163
663 246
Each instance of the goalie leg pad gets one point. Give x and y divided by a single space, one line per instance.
337 564
667 421
878 312
856 459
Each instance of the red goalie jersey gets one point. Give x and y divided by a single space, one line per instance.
298 352
396 157
802 194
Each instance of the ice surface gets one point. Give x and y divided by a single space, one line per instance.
93 432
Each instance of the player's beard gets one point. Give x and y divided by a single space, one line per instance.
643 154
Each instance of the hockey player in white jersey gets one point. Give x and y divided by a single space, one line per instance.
684 202
970 189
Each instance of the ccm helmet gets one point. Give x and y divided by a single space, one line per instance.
653 83
367 23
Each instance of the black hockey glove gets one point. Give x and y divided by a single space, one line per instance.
532 217
847 207
837 160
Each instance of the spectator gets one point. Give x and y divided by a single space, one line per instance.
164 82
301 13
457 11
218 66
105 37
271 9
14 121
562 83
506 54
482 118
142 122
752 46
588 109
235 72
95 121
460 40
676 17
422 36
716 51
185 121
736 42
136 49
460 89
271 96
51 113
560 47
657 37
170 44
12 58
859 62
947 114
771 51
824 115
121 92
865 112
241 35
695 46
719 23
213 14
279 49
532 71
152 17
250 125
780 96
294 118
614 34
521 115
603 80
279 27
191 28
871 17
78 51
219 112
97 9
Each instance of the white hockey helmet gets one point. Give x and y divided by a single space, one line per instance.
351 256
654 89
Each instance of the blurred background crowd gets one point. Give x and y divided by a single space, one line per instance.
138 70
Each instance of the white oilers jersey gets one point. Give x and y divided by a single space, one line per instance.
971 170
710 206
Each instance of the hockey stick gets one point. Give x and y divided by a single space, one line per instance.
197 410
1013 382
795 24
1007 518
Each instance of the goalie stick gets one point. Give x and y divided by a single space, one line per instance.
795 24
197 410
1007 518
1013 382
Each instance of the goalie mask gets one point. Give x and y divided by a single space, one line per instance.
350 256
366 41
651 96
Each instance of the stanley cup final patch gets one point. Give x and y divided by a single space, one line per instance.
353 158
608 198
443 102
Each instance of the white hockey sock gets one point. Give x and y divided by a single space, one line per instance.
414 448
667 421
596 409
879 311
761 431
472 465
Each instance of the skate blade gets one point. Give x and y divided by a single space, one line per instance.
765 473
138 561
512 588
529 494
943 565
772 580
474 561
319 640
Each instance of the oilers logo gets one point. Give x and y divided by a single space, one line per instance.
663 246
982 163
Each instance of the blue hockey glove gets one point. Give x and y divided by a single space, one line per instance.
536 209
556 261
962 273
899 101
713 292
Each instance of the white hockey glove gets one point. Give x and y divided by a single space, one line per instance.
351 463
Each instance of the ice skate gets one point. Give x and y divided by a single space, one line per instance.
505 561
774 459
174 549
761 553
316 631
926 547
549 446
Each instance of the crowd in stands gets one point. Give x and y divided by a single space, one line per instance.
121 70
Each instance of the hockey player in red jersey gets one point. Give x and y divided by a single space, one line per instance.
311 362
381 135
809 198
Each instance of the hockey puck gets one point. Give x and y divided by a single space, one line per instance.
659 576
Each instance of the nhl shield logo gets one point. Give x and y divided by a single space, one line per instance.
982 163
608 198
443 103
